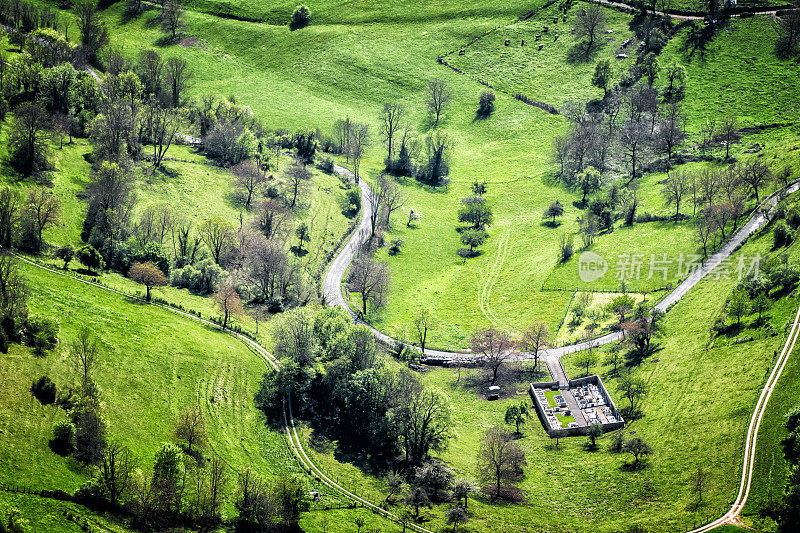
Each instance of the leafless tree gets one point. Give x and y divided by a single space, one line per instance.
591 25
43 210
423 322
190 429
536 338
163 123
500 459
670 132
249 179
633 139
264 267
370 279
297 177
391 117
729 133
495 348
358 142
392 197
755 174
84 354
228 302
115 472
341 133
437 98
176 78
217 234
675 187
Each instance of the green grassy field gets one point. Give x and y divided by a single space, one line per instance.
169 363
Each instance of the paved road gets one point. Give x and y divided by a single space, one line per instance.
332 281
767 11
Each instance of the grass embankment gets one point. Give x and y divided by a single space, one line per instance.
153 364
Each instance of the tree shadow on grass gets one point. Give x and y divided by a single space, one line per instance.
634 466
299 252
698 39
551 223
583 53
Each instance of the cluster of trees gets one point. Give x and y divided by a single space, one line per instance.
337 380
752 295
788 29
787 512
495 347
16 325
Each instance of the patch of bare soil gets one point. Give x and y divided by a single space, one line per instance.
188 42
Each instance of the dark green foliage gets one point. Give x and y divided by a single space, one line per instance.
395 246
486 104
44 390
41 334
475 211
90 429
63 440
301 17
65 253
28 147
473 238
781 234
90 257
306 145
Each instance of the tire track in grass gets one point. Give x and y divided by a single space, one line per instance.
485 296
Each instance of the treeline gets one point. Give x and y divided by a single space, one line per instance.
337 380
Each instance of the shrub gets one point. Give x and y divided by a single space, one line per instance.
395 246
41 334
486 104
781 235
351 202
326 165
301 17
63 440
44 390
793 217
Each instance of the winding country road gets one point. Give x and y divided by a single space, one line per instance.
332 290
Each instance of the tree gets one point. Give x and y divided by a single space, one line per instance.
42 210
650 68
149 275
494 348
589 182
391 197
756 174
590 25
634 389
85 355
394 485
297 177
358 142
594 432
301 17
90 430
424 419
729 133
217 234
190 429
674 188
637 448
738 305
28 139
391 118
602 75
370 279
248 179
114 472
176 79
500 459
293 336
699 482
456 515
516 414
10 201
788 29
473 238
171 17
228 302
423 321
417 498
586 359
669 133
41 334
94 35
462 488
163 123
476 211
554 210
760 304
303 233
90 257
674 89
622 305
535 338
169 472
486 104
634 137
437 97
65 253
436 159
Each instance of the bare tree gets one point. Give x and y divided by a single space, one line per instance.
423 321
494 346
217 234
171 17
437 98
42 210
756 174
92 29
370 279
590 24
391 117
358 142
674 188
500 459
85 354
163 123
633 139
536 338
176 78
297 177
190 429
729 133
341 133
248 178
272 219
391 196
228 302
670 133
115 472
